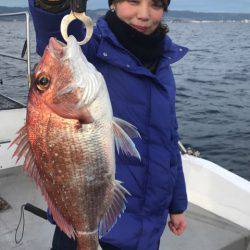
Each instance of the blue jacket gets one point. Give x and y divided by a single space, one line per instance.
146 100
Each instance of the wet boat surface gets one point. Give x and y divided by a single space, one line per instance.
205 230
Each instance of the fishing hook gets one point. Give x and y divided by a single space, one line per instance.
78 9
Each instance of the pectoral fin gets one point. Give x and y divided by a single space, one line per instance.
122 132
130 129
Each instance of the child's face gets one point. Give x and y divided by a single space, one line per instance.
142 15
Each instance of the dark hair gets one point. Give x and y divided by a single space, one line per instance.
164 3
163 26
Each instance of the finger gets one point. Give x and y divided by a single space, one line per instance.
180 230
175 224
173 229
183 226
170 224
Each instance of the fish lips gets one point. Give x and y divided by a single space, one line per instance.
56 48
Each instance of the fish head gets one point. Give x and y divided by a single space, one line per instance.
65 81
51 74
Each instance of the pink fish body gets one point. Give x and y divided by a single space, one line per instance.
69 141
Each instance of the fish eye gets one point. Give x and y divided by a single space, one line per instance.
42 82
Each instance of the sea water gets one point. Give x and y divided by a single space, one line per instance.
212 84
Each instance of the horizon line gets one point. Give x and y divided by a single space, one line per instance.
194 11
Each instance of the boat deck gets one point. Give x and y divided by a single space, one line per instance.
205 231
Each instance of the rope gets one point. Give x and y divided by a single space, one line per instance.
19 223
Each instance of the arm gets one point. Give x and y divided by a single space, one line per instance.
177 223
179 201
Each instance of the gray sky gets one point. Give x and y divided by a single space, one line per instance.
193 5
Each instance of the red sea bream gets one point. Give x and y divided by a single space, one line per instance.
69 141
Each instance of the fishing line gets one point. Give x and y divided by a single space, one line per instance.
34 210
19 223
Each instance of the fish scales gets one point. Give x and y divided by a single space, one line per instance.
82 167
68 143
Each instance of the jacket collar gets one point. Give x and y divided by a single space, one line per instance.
127 61
172 51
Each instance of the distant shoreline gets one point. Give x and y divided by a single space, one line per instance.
172 15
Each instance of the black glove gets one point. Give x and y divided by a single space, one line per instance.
53 6
78 6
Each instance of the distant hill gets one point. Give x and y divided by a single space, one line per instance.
94 14
4 9
178 16
202 16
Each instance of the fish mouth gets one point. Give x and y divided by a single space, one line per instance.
82 72
67 55
56 47
64 51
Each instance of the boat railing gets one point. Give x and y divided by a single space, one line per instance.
12 112
188 151
26 47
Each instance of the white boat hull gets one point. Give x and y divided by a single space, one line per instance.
217 190
11 121
208 185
